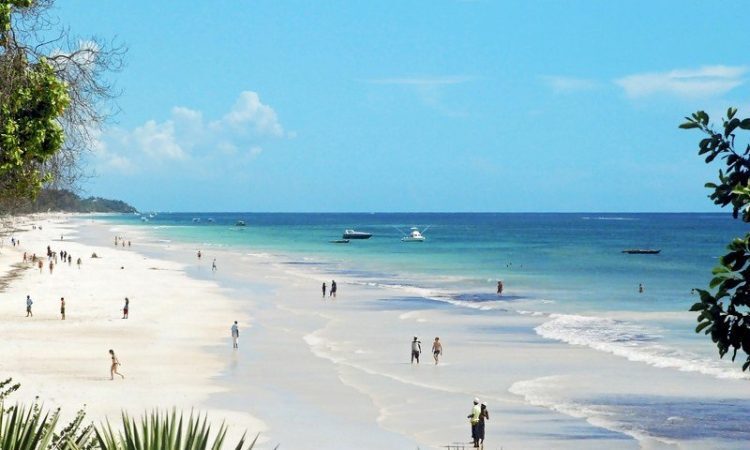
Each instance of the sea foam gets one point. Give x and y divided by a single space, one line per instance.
633 342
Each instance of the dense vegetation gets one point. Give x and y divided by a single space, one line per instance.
67 201
724 314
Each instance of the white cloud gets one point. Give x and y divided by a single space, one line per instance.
187 138
706 81
250 111
158 140
560 84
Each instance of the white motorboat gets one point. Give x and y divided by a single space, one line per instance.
413 236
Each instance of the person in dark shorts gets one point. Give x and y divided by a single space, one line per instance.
28 306
126 308
333 288
437 349
484 415
62 308
416 350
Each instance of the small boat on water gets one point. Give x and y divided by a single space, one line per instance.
640 251
339 241
413 236
196 219
351 234
211 220
240 223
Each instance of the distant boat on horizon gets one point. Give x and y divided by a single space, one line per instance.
639 251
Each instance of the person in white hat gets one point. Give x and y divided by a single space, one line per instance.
476 411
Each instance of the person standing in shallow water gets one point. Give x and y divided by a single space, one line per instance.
324 289
437 349
113 367
235 336
499 288
416 349
640 288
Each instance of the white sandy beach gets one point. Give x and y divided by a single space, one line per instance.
310 373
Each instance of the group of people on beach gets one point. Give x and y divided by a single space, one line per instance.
119 240
334 288
30 303
477 418
416 349
213 263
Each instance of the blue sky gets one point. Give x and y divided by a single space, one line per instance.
414 106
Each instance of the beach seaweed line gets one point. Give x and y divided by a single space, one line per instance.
14 273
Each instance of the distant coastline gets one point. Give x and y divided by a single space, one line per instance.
62 200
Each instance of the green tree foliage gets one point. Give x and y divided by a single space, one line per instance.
53 97
33 99
724 308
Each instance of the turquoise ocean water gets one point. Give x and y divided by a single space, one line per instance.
567 269
573 259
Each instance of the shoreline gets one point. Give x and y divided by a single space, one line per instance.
65 363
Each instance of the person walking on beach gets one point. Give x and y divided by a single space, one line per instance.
51 267
333 288
126 308
324 289
41 265
499 288
62 308
416 349
476 411
199 254
235 336
213 266
79 263
483 416
113 367
28 306
437 349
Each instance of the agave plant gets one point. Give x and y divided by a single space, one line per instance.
163 431
23 428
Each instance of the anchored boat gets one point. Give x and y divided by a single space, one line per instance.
414 236
351 234
639 251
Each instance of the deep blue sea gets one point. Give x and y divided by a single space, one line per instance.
574 259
